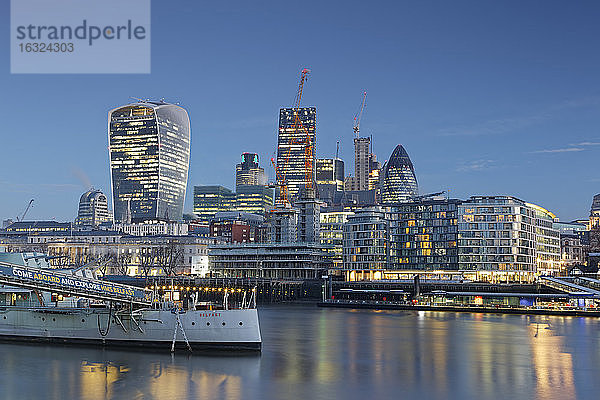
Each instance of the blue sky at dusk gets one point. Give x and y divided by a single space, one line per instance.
487 97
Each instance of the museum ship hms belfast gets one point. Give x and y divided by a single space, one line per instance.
110 314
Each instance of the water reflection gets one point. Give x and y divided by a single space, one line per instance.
71 372
328 353
553 367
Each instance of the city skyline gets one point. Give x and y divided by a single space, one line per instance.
513 115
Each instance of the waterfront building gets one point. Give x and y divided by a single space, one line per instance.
332 234
248 172
93 210
504 239
577 229
398 180
547 241
365 249
571 251
282 225
238 227
255 199
39 226
570 228
149 148
291 146
209 200
423 236
308 219
593 238
117 252
151 228
269 260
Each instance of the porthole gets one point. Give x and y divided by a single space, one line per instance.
82 320
223 323
193 323
53 319
43 319
5 317
241 323
208 324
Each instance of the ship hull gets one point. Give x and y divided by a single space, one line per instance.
236 330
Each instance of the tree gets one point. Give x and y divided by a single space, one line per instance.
170 257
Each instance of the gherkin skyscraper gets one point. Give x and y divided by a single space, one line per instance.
398 181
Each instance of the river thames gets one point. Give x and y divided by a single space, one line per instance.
313 353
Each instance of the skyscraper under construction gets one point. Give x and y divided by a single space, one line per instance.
291 147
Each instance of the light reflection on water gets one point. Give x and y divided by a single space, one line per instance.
334 353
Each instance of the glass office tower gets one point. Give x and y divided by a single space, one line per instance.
248 172
424 235
254 199
399 182
330 171
291 145
149 147
211 199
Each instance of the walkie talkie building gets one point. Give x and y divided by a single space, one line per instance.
149 148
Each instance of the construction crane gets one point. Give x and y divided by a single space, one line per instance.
281 182
297 126
358 115
303 78
25 212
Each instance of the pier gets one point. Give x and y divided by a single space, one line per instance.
212 289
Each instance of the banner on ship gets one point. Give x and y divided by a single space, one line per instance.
71 281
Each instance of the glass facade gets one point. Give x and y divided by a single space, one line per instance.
330 171
502 238
365 249
547 241
398 182
291 146
255 199
424 235
209 200
332 234
149 146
